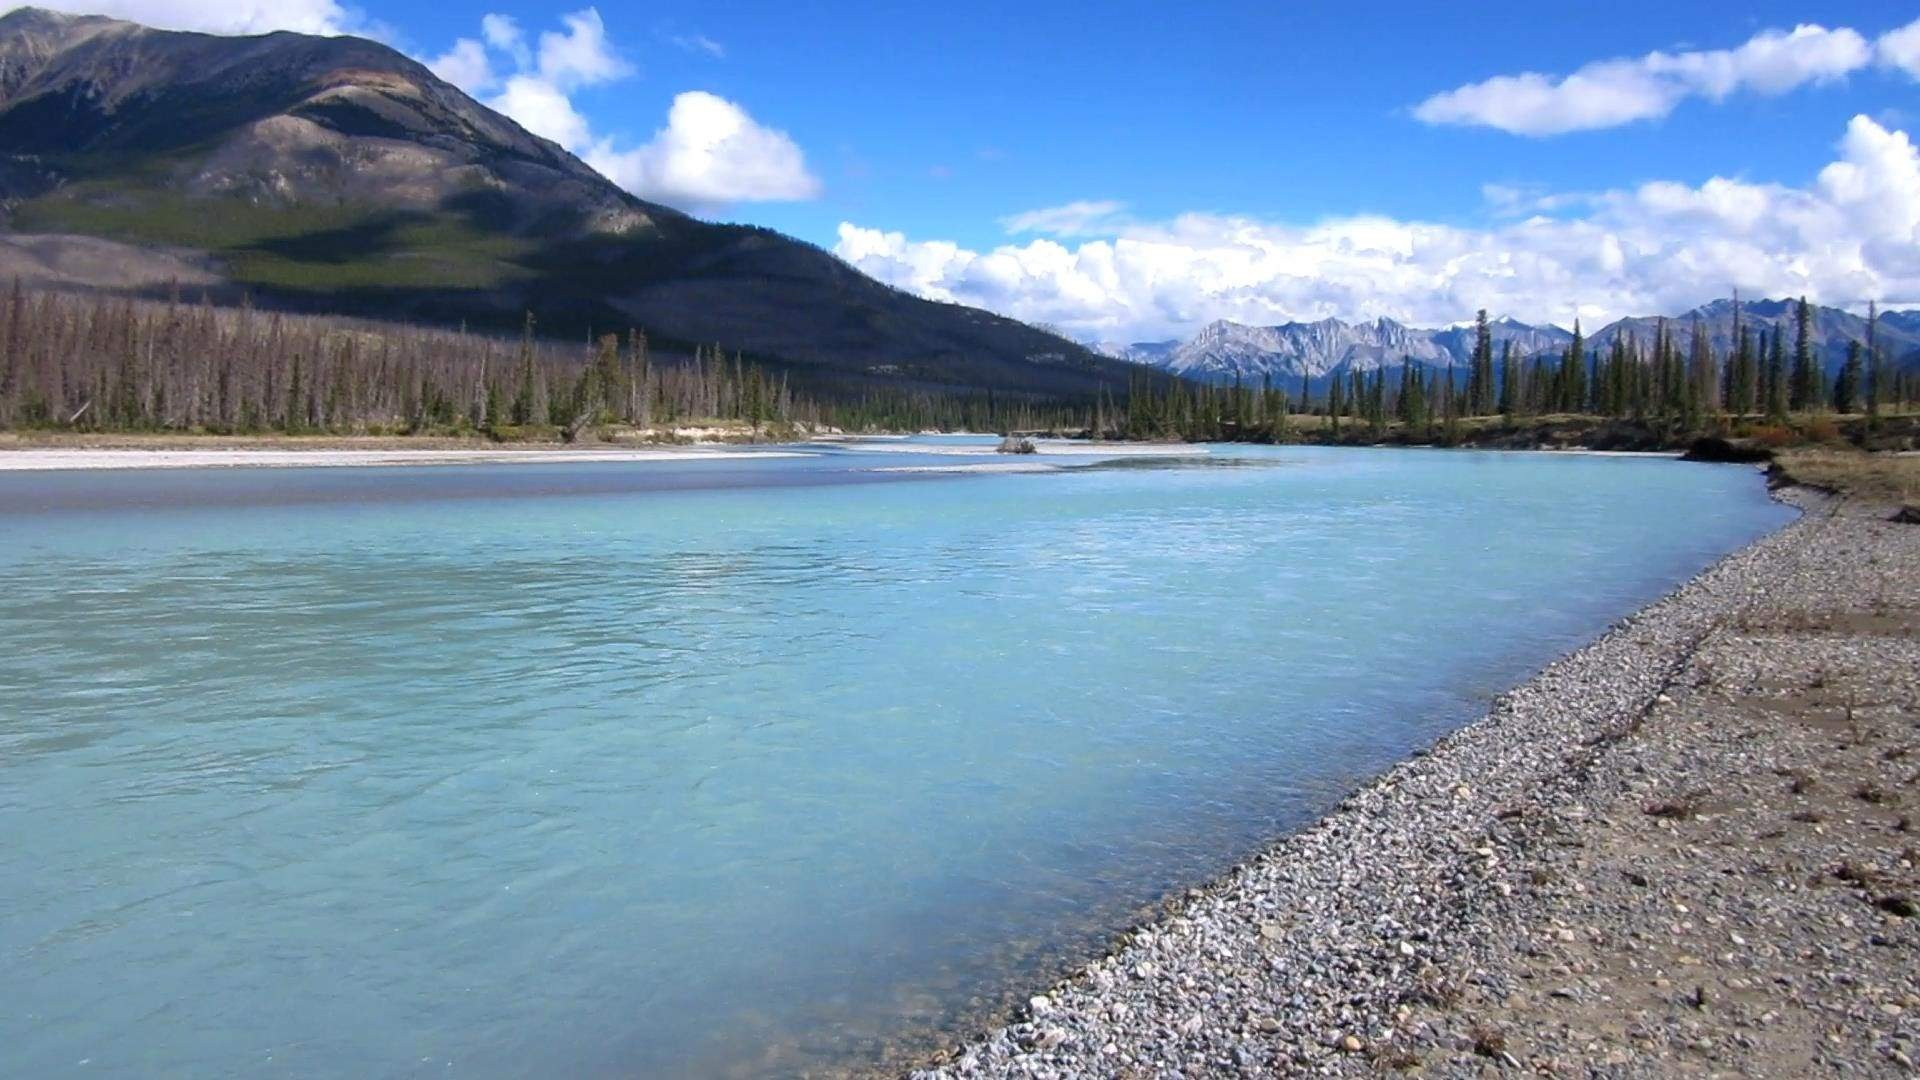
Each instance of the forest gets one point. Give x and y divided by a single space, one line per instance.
1676 382
93 363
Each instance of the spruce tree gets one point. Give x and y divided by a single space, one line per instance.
522 412
1480 375
1778 397
1743 374
1805 393
1846 385
1509 378
1874 374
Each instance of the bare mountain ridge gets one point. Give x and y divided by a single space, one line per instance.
335 174
1223 351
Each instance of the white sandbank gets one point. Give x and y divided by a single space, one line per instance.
41 460
1046 447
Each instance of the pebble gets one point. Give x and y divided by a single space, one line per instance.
1394 923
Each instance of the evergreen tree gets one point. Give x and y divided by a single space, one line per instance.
1509 379
1874 374
1778 396
522 412
1573 394
1805 392
1480 374
1846 385
1741 398
496 411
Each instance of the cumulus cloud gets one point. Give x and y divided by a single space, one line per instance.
1851 234
710 154
1901 48
544 109
228 17
565 61
581 56
467 66
1608 93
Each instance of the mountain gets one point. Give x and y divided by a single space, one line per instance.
1152 353
1223 351
335 174
1830 328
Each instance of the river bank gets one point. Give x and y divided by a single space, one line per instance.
325 457
1686 848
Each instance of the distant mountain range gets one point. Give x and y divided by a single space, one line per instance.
335 174
1223 351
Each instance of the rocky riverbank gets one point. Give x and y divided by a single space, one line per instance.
1685 849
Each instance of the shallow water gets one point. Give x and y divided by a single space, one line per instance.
734 767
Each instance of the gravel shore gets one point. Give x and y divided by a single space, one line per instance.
1685 849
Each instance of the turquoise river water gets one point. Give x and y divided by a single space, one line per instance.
732 767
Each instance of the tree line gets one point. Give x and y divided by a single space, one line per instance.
1675 379
100 363
97 363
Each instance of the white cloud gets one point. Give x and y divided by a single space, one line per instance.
1609 93
544 109
710 153
1851 234
582 56
1082 218
501 33
700 43
1901 48
226 17
466 66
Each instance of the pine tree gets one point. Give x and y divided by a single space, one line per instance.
1805 393
1480 375
1846 385
1777 379
1874 374
522 412
1742 374
1573 374
1509 379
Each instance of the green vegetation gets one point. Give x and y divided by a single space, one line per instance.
1659 394
1880 477
295 248
100 364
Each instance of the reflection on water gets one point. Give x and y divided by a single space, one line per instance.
635 769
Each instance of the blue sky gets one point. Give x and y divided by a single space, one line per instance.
939 120
1227 159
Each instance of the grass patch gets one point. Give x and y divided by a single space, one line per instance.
305 248
1878 476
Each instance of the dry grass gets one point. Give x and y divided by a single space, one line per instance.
1884 477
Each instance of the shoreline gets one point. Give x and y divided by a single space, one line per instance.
88 460
329 453
1413 925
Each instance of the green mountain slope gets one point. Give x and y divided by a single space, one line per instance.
335 174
